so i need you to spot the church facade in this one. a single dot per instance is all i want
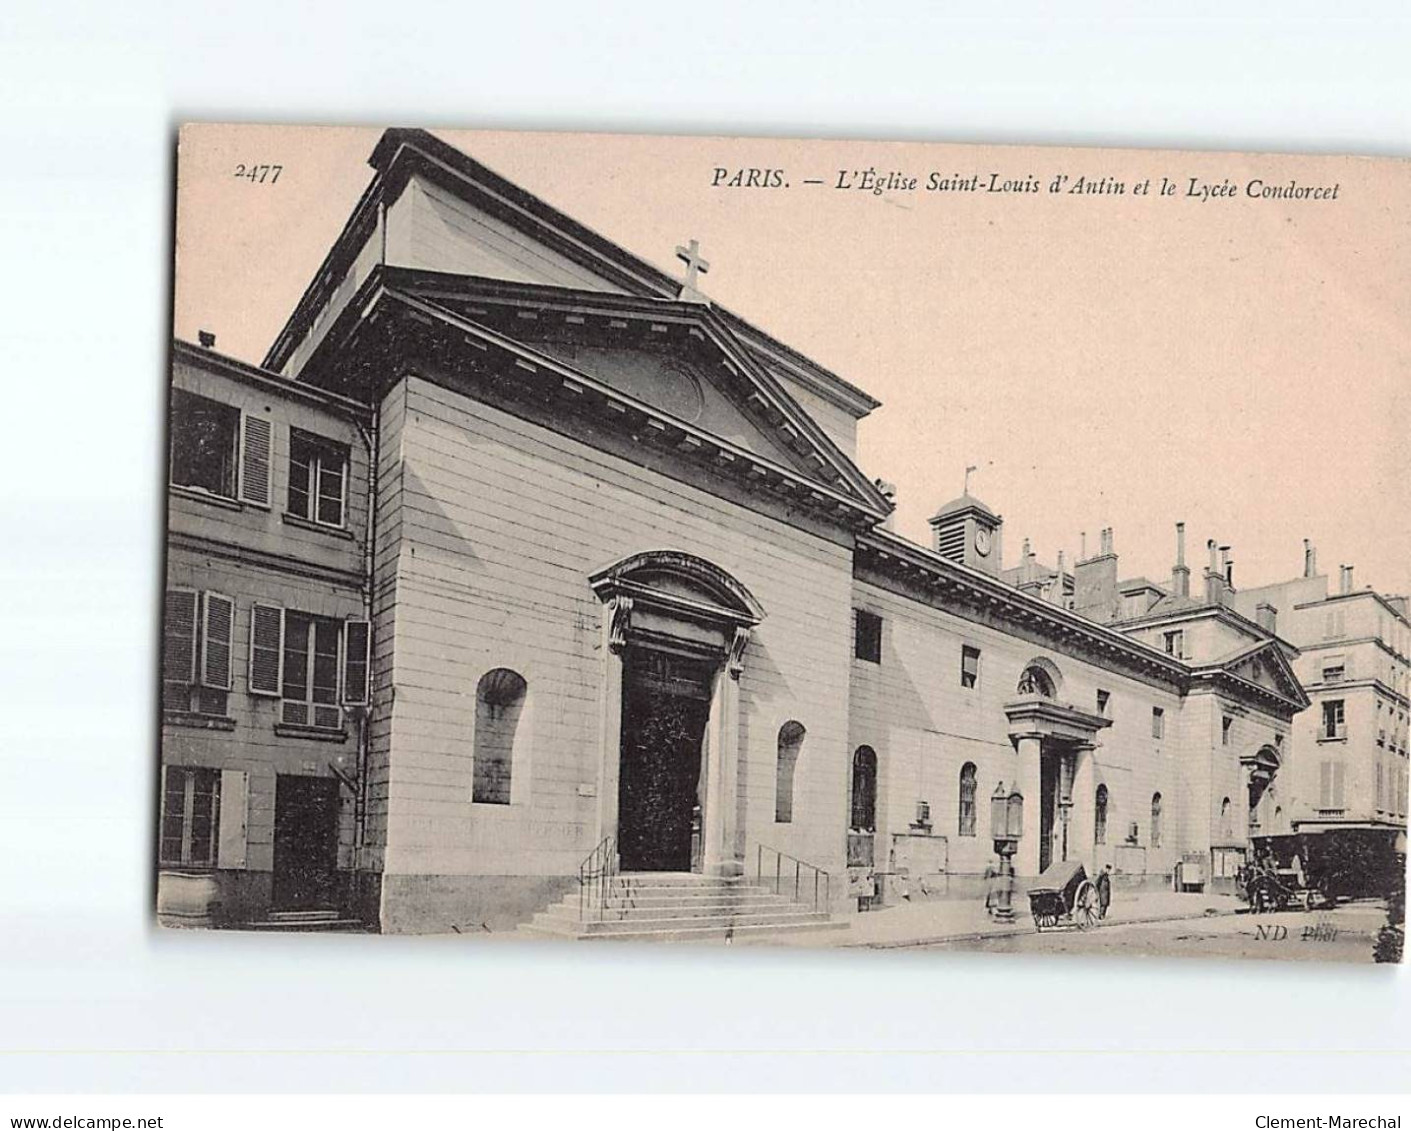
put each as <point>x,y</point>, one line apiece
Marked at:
<point>516,553</point>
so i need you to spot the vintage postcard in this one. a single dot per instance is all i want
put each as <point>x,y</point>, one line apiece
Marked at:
<point>809,543</point>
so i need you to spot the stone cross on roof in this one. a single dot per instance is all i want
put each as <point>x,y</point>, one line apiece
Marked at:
<point>695,267</point>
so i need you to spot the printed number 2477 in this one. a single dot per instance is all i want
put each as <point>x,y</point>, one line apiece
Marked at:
<point>259,174</point>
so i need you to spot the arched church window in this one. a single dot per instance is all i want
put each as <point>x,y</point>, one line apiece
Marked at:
<point>1036,681</point>
<point>499,702</point>
<point>966,824</point>
<point>791,736</point>
<point>1156,820</point>
<point>1226,826</point>
<point>1100,816</point>
<point>864,789</point>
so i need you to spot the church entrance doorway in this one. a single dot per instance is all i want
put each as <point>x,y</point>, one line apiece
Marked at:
<point>665,708</point>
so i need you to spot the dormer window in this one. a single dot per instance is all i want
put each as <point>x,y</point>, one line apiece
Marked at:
<point>1175,644</point>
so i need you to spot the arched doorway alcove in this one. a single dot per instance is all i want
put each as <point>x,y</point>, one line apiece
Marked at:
<point>675,631</point>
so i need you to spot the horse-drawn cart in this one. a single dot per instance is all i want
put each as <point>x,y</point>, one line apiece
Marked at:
<point>1282,875</point>
<point>1063,896</point>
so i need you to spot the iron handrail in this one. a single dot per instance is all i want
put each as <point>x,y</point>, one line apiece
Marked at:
<point>804,874</point>
<point>595,876</point>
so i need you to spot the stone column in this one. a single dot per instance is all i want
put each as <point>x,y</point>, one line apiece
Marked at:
<point>616,614</point>
<point>1080,819</point>
<point>720,805</point>
<point>1026,860</point>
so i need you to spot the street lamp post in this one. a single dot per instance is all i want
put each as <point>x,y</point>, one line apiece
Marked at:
<point>1006,828</point>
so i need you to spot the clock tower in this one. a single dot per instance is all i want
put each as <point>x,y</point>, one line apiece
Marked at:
<point>968,532</point>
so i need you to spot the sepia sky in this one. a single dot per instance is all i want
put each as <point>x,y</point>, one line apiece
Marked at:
<point>1129,361</point>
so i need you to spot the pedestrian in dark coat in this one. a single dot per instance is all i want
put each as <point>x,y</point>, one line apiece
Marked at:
<point>1104,890</point>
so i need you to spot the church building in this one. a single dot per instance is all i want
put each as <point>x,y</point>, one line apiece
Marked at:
<point>518,564</point>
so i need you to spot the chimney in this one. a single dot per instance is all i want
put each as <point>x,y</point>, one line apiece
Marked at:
<point>206,338</point>
<point>1267,617</point>
<point>1214,578</point>
<point>1083,546</point>
<point>1029,579</point>
<point>1095,592</point>
<point>1058,581</point>
<point>1181,574</point>
<point>1229,569</point>
<point>1345,583</point>
<point>1310,559</point>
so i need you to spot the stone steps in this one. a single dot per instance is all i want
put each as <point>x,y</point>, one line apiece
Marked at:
<point>317,920</point>
<point>677,907</point>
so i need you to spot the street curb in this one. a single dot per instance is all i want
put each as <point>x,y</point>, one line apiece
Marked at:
<point>1019,932</point>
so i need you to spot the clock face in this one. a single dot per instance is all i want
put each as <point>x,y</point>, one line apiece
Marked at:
<point>982,541</point>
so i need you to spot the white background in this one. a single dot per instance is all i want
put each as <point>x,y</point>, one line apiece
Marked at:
<point>90,997</point>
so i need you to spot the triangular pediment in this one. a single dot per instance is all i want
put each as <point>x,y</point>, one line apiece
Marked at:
<point>675,359</point>
<point>1265,665</point>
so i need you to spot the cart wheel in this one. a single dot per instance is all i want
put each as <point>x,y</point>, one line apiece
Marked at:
<point>1085,906</point>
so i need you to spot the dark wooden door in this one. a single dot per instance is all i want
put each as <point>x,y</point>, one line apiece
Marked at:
<point>1048,807</point>
<point>663,723</point>
<point>305,843</point>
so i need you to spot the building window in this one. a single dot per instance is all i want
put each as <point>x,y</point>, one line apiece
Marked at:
<point>969,666</point>
<point>1334,672</point>
<point>310,671</point>
<point>1035,681</point>
<point>499,703</point>
<point>1104,700</point>
<point>204,436</point>
<point>318,478</point>
<point>196,651</point>
<point>791,736</point>
<point>1331,783</point>
<point>864,790</point>
<point>966,823</point>
<point>190,816</point>
<point>1227,827</point>
<point>1156,820</point>
<point>1175,643</point>
<point>1334,720</point>
<point>1227,725</point>
<point>1100,816</point>
<point>1158,723</point>
<point>867,636</point>
<point>299,658</point>
<point>1380,797</point>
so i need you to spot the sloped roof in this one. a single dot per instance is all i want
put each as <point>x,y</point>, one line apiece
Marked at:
<point>961,504</point>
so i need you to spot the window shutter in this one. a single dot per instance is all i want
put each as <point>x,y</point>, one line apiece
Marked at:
<point>356,637</point>
<point>218,620</point>
<point>1338,772</point>
<point>266,649</point>
<point>179,637</point>
<point>1325,786</point>
<point>255,436</point>
<point>234,794</point>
